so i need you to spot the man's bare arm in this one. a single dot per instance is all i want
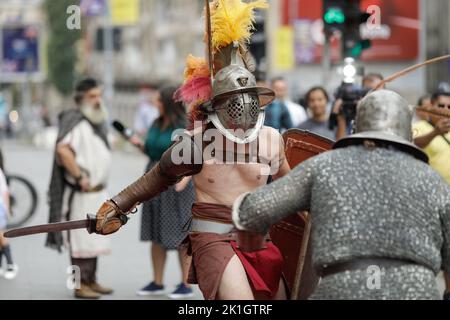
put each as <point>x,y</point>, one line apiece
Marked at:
<point>424,141</point>
<point>66,157</point>
<point>164,174</point>
<point>441,127</point>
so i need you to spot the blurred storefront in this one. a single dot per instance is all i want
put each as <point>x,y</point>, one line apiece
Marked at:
<point>22,65</point>
<point>410,32</point>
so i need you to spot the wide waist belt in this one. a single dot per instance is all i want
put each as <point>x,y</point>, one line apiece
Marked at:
<point>362,264</point>
<point>200,225</point>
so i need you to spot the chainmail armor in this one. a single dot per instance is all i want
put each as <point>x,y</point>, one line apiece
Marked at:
<point>364,203</point>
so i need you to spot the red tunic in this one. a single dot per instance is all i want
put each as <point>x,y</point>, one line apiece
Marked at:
<point>211,253</point>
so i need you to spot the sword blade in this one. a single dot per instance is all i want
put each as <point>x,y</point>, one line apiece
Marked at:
<point>50,227</point>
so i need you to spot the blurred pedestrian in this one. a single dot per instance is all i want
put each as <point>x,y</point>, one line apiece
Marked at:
<point>80,172</point>
<point>5,249</point>
<point>423,102</point>
<point>146,113</point>
<point>277,113</point>
<point>317,100</point>
<point>296,111</point>
<point>164,217</point>
<point>371,80</point>
<point>433,135</point>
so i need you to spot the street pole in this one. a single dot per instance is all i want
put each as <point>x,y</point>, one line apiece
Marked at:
<point>108,53</point>
<point>326,61</point>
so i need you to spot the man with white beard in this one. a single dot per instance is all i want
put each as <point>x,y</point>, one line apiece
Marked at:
<point>80,172</point>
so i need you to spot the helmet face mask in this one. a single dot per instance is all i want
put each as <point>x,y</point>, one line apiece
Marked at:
<point>240,111</point>
<point>237,104</point>
<point>238,117</point>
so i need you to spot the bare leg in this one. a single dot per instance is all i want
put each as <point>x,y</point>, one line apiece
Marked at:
<point>3,241</point>
<point>185,261</point>
<point>234,284</point>
<point>281,294</point>
<point>159,256</point>
<point>447,281</point>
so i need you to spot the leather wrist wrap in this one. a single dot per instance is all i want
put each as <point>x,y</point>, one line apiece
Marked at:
<point>164,174</point>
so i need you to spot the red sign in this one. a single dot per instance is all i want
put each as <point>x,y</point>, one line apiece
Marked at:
<point>396,38</point>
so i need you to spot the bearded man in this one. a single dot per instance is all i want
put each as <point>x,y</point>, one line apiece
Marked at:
<point>80,172</point>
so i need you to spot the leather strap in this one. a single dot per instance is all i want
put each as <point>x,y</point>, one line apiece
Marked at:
<point>362,264</point>
<point>98,188</point>
<point>163,175</point>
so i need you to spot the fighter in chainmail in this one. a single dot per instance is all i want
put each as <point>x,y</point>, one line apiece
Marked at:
<point>377,230</point>
<point>228,151</point>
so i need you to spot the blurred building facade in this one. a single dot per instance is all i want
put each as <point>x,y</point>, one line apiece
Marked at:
<point>152,50</point>
<point>148,52</point>
<point>431,23</point>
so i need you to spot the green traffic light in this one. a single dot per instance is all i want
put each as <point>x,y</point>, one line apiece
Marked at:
<point>356,50</point>
<point>334,15</point>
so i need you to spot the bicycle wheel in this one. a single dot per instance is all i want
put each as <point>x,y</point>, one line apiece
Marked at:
<point>23,200</point>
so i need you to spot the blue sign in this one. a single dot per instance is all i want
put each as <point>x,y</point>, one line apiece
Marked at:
<point>20,50</point>
<point>93,8</point>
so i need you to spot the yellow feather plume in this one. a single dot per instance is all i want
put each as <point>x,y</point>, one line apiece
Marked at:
<point>195,67</point>
<point>232,20</point>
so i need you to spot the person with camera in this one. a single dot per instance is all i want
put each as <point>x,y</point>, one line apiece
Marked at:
<point>347,97</point>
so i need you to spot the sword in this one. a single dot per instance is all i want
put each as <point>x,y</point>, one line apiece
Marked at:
<point>88,223</point>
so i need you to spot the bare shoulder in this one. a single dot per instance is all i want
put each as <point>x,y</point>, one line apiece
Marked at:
<point>270,133</point>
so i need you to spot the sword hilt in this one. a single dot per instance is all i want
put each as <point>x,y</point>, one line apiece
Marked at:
<point>92,222</point>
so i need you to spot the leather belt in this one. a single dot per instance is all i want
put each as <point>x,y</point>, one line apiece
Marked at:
<point>200,225</point>
<point>362,264</point>
<point>98,188</point>
<point>77,188</point>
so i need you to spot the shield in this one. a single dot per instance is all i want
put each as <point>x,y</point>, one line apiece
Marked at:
<point>291,235</point>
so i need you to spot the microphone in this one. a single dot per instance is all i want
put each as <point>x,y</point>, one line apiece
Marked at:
<point>127,133</point>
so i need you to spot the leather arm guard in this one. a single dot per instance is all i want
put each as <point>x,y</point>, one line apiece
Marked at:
<point>173,166</point>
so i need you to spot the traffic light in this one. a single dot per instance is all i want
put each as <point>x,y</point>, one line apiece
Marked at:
<point>347,17</point>
<point>334,15</point>
<point>258,41</point>
<point>353,45</point>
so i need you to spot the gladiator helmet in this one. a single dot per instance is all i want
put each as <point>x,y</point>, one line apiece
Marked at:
<point>236,109</point>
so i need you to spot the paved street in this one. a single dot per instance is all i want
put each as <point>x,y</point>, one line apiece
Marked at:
<point>42,272</point>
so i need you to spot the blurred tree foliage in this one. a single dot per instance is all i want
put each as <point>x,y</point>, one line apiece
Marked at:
<point>61,50</point>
